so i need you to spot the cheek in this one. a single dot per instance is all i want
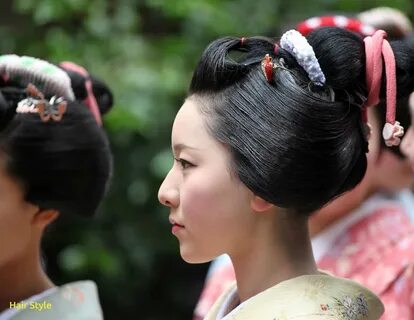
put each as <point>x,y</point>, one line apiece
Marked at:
<point>201,196</point>
<point>209,198</point>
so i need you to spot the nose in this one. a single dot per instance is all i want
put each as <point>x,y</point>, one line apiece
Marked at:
<point>168,194</point>
<point>407,145</point>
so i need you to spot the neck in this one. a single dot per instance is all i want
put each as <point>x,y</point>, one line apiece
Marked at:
<point>23,278</point>
<point>279,252</point>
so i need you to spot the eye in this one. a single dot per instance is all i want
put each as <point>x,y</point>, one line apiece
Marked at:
<point>184,163</point>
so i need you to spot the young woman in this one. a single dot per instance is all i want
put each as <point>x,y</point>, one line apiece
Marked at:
<point>341,237</point>
<point>54,160</point>
<point>259,147</point>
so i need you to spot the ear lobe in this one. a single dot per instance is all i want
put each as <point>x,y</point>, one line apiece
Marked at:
<point>259,204</point>
<point>44,217</point>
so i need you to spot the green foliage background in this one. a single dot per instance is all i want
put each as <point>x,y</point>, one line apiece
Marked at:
<point>145,50</point>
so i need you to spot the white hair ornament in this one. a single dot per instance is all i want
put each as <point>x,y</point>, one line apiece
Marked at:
<point>297,45</point>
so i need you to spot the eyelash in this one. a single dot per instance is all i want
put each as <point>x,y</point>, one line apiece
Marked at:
<point>184,163</point>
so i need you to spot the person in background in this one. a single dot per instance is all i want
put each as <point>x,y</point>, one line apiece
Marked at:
<point>55,160</point>
<point>343,237</point>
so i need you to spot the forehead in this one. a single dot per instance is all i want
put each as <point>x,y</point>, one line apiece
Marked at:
<point>189,125</point>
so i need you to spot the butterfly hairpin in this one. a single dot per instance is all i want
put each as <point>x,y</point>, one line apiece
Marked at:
<point>36,103</point>
<point>53,109</point>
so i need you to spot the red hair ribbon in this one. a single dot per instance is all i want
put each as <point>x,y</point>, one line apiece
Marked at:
<point>343,22</point>
<point>377,50</point>
<point>90,100</point>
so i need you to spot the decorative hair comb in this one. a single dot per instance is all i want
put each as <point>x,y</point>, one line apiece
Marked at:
<point>36,103</point>
<point>297,45</point>
<point>50,79</point>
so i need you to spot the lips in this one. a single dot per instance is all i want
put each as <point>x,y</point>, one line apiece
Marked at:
<point>176,227</point>
<point>175,223</point>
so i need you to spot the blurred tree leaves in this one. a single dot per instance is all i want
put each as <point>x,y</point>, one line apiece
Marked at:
<point>145,50</point>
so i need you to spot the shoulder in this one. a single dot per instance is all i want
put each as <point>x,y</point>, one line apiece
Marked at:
<point>312,296</point>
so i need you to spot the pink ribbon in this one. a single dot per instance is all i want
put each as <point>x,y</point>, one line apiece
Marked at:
<point>377,50</point>
<point>90,100</point>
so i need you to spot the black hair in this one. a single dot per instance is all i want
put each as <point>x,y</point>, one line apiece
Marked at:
<point>295,144</point>
<point>64,165</point>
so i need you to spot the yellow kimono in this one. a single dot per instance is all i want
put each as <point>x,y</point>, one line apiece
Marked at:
<point>73,301</point>
<point>309,297</point>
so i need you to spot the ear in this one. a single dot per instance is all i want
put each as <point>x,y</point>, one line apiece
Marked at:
<point>43,217</point>
<point>259,204</point>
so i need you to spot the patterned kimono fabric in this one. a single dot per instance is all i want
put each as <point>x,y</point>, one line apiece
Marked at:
<point>310,297</point>
<point>73,301</point>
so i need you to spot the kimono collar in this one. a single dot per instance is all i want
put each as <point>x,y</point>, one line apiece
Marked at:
<point>311,297</point>
<point>79,300</point>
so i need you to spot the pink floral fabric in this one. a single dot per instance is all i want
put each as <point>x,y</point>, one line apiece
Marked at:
<point>377,251</point>
<point>217,283</point>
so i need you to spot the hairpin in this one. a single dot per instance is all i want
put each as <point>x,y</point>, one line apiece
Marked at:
<point>267,67</point>
<point>297,45</point>
<point>36,103</point>
<point>53,109</point>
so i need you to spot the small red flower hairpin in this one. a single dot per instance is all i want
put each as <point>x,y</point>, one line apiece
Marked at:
<point>267,67</point>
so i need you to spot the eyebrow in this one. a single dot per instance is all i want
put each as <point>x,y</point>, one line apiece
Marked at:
<point>180,146</point>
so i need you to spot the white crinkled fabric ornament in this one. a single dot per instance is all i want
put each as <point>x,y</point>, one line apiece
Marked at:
<point>297,45</point>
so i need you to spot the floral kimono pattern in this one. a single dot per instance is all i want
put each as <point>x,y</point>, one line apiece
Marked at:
<point>378,252</point>
<point>310,297</point>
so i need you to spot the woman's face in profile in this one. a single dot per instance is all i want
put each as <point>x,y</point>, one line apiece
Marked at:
<point>209,207</point>
<point>15,219</point>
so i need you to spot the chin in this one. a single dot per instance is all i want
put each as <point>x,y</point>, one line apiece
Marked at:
<point>194,258</point>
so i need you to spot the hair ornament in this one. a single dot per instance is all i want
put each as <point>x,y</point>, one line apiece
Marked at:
<point>267,67</point>
<point>24,70</point>
<point>392,134</point>
<point>36,103</point>
<point>90,100</point>
<point>297,45</point>
<point>378,52</point>
<point>339,21</point>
